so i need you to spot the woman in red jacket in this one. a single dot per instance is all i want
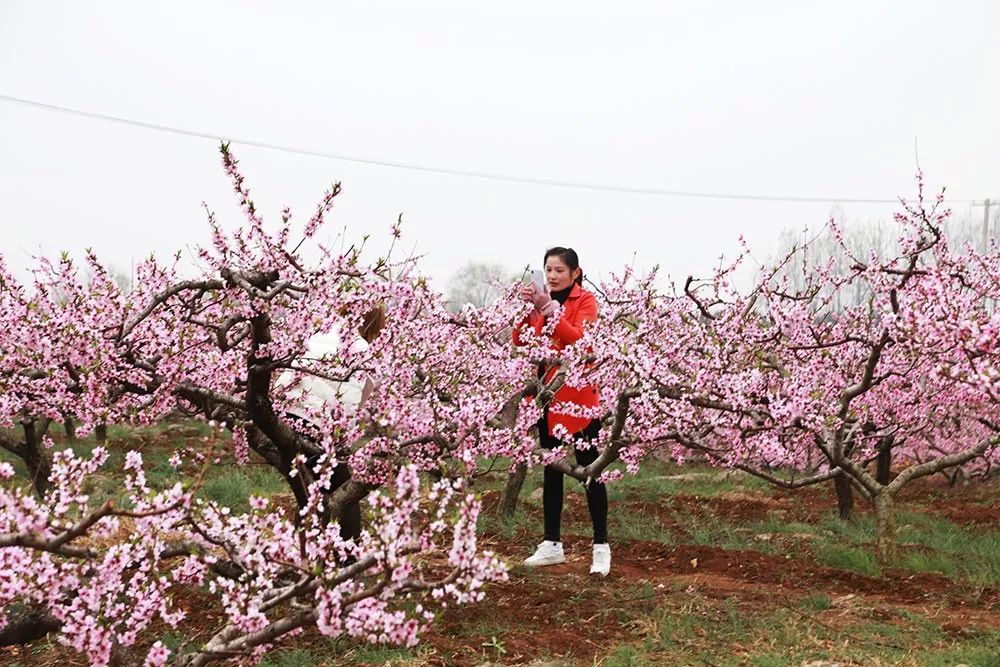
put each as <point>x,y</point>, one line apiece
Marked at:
<point>565,279</point>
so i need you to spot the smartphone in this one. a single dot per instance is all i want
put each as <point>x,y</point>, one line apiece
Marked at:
<point>538,277</point>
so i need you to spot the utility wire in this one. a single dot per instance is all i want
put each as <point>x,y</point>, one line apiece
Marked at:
<point>552,182</point>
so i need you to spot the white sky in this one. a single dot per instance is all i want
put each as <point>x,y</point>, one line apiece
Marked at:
<point>770,98</point>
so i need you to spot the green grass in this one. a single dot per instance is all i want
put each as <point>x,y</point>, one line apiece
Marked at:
<point>226,484</point>
<point>927,544</point>
<point>293,658</point>
<point>725,634</point>
<point>983,652</point>
<point>776,524</point>
<point>159,473</point>
<point>122,439</point>
<point>524,519</point>
<point>816,602</point>
<point>625,656</point>
<point>129,432</point>
<point>341,651</point>
<point>702,621</point>
<point>380,655</point>
<point>234,485</point>
<point>927,630</point>
<point>972,553</point>
<point>860,529</point>
<point>709,531</point>
<point>920,561</point>
<point>640,526</point>
<point>652,482</point>
<point>20,472</point>
<point>847,557</point>
<point>700,631</point>
<point>173,641</point>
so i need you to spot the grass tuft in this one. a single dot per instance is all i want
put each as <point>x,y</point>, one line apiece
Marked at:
<point>816,602</point>
<point>234,486</point>
<point>846,557</point>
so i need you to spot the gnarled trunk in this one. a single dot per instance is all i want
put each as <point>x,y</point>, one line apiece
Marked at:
<point>515,481</point>
<point>884,460</point>
<point>36,460</point>
<point>845,496</point>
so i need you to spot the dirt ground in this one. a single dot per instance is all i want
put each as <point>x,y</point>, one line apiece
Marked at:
<point>562,615</point>
<point>562,612</point>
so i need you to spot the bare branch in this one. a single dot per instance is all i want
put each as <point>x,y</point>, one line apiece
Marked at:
<point>937,465</point>
<point>792,483</point>
<point>163,297</point>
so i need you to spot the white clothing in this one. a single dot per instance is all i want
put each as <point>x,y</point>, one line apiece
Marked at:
<point>315,394</point>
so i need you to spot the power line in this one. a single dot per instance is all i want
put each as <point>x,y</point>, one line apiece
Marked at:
<point>552,182</point>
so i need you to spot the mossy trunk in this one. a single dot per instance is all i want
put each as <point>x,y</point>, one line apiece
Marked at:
<point>886,548</point>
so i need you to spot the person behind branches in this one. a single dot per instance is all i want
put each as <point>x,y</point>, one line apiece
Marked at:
<point>564,280</point>
<point>313,393</point>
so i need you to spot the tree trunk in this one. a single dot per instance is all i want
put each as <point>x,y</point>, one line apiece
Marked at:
<point>959,475</point>
<point>845,496</point>
<point>101,433</point>
<point>886,549</point>
<point>27,625</point>
<point>39,468</point>
<point>515,480</point>
<point>35,459</point>
<point>69,425</point>
<point>884,460</point>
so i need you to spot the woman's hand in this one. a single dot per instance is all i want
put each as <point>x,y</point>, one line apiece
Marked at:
<point>549,309</point>
<point>531,293</point>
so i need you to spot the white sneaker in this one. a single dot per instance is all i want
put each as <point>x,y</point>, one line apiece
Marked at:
<point>602,560</point>
<point>548,553</point>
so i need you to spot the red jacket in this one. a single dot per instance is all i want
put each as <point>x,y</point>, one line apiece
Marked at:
<point>580,308</point>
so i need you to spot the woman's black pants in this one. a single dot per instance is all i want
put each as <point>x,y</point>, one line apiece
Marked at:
<point>552,486</point>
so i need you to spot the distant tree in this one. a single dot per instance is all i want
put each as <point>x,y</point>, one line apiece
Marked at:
<point>121,278</point>
<point>839,243</point>
<point>809,248</point>
<point>477,283</point>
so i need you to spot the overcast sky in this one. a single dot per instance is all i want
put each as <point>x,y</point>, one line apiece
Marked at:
<point>756,98</point>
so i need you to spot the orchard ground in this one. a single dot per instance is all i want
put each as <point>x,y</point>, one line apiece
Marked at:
<point>708,569</point>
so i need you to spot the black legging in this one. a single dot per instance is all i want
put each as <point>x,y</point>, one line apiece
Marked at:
<point>552,485</point>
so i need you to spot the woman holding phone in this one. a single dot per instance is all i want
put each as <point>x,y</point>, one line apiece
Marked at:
<point>564,287</point>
